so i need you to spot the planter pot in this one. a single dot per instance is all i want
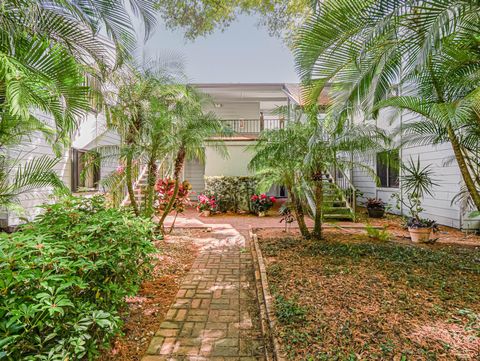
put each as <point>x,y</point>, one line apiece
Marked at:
<point>262,214</point>
<point>420,234</point>
<point>471,223</point>
<point>376,212</point>
<point>205,213</point>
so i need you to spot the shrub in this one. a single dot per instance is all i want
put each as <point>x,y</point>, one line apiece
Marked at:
<point>377,234</point>
<point>375,203</point>
<point>289,311</point>
<point>232,193</point>
<point>165,187</point>
<point>415,223</point>
<point>65,276</point>
<point>261,202</point>
<point>206,203</point>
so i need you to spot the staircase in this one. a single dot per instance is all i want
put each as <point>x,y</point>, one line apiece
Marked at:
<point>338,198</point>
<point>138,189</point>
<point>140,185</point>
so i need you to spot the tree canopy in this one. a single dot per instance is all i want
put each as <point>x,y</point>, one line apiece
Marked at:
<point>200,18</point>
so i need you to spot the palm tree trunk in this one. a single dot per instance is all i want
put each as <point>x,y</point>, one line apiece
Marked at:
<point>457,150</point>
<point>299,214</point>
<point>151,178</point>
<point>462,164</point>
<point>179,160</point>
<point>129,179</point>
<point>317,228</point>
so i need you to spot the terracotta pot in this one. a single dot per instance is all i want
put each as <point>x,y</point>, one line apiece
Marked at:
<point>262,214</point>
<point>420,234</point>
<point>376,212</point>
<point>205,214</point>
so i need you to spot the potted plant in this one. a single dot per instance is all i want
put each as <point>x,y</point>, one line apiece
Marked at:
<point>416,183</point>
<point>206,205</point>
<point>420,229</point>
<point>287,216</point>
<point>261,203</point>
<point>375,207</point>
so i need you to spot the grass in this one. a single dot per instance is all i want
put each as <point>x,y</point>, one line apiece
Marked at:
<point>349,299</point>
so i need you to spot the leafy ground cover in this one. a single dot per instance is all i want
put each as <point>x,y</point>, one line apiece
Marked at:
<point>64,279</point>
<point>146,310</point>
<point>350,297</point>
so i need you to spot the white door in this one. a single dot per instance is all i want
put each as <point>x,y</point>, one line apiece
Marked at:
<point>194,173</point>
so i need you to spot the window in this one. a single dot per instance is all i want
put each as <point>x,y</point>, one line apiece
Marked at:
<point>85,170</point>
<point>387,168</point>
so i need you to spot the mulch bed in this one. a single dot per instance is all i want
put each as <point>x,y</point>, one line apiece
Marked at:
<point>393,224</point>
<point>349,297</point>
<point>147,310</point>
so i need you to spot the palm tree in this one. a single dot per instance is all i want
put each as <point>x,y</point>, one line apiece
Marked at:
<point>278,159</point>
<point>143,115</point>
<point>51,61</point>
<point>367,50</point>
<point>54,46</point>
<point>303,154</point>
<point>17,178</point>
<point>333,146</point>
<point>192,130</point>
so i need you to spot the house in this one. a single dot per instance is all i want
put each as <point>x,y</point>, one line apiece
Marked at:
<point>91,134</point>
<point>247,109</point>
<point>446,174</point>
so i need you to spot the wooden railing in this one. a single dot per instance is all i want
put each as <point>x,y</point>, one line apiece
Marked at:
<point>252,126</point>
<point>344,183</point>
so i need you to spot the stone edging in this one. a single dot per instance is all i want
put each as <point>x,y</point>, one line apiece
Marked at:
<point>267,312</point>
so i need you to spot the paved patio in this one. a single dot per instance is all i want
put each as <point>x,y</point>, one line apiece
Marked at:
<point>214,316</point>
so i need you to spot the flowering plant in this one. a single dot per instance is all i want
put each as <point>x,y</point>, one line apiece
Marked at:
<point>165,187</point>
<point>261,202</point>
<point>206,203</point>
<point>375,203</point>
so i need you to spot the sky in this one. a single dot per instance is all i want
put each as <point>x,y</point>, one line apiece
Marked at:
<point>243,53</point>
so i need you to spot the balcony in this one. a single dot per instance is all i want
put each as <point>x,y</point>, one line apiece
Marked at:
<point>252,127</point>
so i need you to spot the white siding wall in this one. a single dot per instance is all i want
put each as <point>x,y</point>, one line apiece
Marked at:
<point>37,146</point>
<point>108,165</point>
<point>194,172</point>
<point>439,207</point>
<point>236,110</point>
<point>235,164</point>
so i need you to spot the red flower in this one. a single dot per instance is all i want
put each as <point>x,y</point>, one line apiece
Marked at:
<point>263,196</point>
<point>254,197</point>
<point>273,199</point>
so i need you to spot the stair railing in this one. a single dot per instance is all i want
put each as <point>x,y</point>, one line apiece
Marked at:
<point>349,192</point>
<point>164,169</point>
<point>138,171</point>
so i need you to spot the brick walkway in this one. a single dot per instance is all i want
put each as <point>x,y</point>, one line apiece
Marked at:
<point>214,316</point>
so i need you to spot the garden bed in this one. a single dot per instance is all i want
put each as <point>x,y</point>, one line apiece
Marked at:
<point>349,297</point>
<point>146,311</point>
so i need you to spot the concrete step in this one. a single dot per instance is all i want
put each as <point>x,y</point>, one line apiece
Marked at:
<point>338,216</point>
<point>337,210</point>
<point>334,203</point>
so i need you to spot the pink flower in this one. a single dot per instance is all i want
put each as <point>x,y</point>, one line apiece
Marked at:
<point>273,199</point>
<point>120,169</point>
<point>263,196</point>
<point>254,197</point>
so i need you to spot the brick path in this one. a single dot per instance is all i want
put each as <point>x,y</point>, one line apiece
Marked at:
<point>214,316</point>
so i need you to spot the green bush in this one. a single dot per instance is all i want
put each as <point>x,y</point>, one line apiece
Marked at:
<point>64,279</point>
<point>232,193</point>
<point>377,234</point>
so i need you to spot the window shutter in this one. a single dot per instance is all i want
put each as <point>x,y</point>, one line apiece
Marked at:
<point>74,172</point>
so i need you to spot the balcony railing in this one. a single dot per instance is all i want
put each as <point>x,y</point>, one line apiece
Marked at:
<point>252,126</point>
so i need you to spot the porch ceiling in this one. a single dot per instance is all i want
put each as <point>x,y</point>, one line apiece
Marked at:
<point>244,92</point>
